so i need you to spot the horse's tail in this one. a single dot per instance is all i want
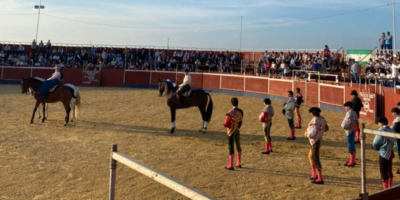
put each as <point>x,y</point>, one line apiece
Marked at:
<point>77,102</point>
<point>209,109</point>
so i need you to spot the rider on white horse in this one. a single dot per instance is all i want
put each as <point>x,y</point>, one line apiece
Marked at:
<point>184,87</point>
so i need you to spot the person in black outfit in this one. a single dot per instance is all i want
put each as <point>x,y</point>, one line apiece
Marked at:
<point>396,128</point>
<point>299,101</point>
<point>357,105</point>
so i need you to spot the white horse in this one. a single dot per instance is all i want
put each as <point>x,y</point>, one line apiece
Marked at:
<point>71,104</point>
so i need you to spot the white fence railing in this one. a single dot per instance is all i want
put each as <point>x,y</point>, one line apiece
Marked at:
<point>364,193</point>
<point>164,179</point>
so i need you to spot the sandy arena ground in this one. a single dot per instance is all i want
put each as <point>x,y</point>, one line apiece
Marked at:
<point>49,161</point>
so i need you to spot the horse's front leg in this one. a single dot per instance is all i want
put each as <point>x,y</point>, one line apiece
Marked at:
<point>38,113</point>
<point>173,112</point>
<point>34,110</point>
<point>67,110</point>
<point>44,111</point>
<point>47,110</point>
<point>72,104</point>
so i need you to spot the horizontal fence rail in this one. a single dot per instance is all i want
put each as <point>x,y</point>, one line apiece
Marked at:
<point>164,179</point>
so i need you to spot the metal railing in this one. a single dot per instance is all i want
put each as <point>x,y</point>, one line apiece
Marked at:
<point>319,74</point>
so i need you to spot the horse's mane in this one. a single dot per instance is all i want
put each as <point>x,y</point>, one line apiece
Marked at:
<point>170,87</point>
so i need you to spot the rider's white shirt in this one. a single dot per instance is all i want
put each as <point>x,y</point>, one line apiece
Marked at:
<point>55,76</point>
<point>186,80</point>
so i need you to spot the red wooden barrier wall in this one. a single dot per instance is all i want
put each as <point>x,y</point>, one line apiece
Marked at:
<point>256,85</point>
<point>73,76</point>
<point>42,73</point>
<point>311,94</point>
<point>279,88</point>
<point>211,81</point>
<point>112,78</point>
<point>159,75</point>
<point>233,82</point>
<point>16,73</point>
<point>333,95</point>
<point>140,78</point>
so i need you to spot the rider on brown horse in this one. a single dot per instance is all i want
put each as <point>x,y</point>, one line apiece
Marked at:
<point>184,87</point>
<point>54,80</point>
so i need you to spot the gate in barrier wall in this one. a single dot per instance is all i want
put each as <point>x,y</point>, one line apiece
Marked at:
<point>331,95</point>
<point>164,179</point>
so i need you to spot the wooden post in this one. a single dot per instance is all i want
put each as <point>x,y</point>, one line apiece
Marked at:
<point>113,173</point>
<point>363,193</point>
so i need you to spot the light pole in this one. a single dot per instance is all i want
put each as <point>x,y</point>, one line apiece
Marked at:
<point>394,27</point>
<point>40,6</point>
<point>241,23</point>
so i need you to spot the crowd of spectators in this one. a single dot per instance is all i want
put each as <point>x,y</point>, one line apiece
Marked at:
<point>275,64</point>
<point>129,58</point>
<point>384,66</point>
<point>281,64</point>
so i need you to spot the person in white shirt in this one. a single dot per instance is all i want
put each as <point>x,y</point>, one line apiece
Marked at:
<point>354,70</point>
<point>184,87</point>
<point>395,71</point>
<point>55,79</point>
<point>57,74</point>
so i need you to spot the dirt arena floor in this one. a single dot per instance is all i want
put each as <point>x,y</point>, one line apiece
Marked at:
<point>49,161</point>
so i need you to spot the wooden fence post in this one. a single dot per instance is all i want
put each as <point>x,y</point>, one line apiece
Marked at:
<point>364,193</point>
<point>113,173</point>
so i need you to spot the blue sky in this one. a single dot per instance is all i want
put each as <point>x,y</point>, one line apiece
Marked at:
<point>196,23</point>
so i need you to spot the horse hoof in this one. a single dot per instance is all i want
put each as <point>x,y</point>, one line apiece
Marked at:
<point>65,124</point>
<point>172,131</point>
<point>31,122</point>
<point>39,117</point>
<point>72,120</point>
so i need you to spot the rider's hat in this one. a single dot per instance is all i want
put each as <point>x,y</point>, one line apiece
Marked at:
<point>187,70</point>
<point>58,67</point>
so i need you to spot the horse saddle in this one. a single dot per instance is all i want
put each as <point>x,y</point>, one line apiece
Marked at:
<point>53,88</point>
<point>187,93</point>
